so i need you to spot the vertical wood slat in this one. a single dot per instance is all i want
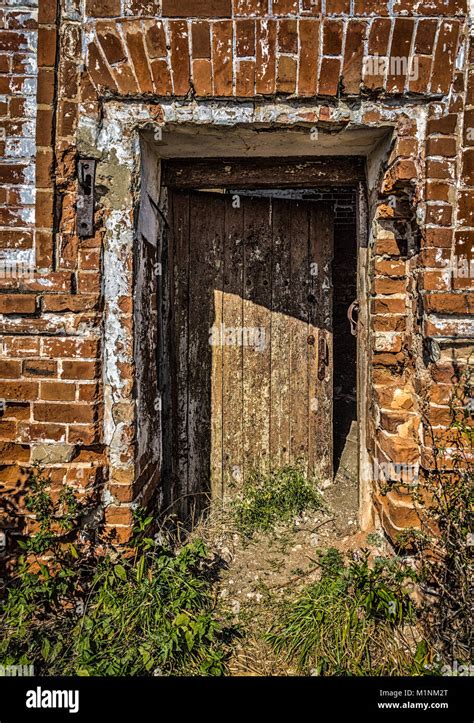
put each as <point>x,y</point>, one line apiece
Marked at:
<point>321,325</point>
<point>298,322</point>
<point>257,315</point>
<point>232,366</point>
<point>179,346</point>
<point>205,255</point>
<point>281,336</point>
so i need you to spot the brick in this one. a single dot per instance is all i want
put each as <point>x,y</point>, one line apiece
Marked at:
<point>70,347</point>
<point>388,286</point>
<point>21,347</point>
<point>124,79</point>
<point>332,36</point>
<point>353,55</point>
<point>103,9</point>
<point>18,391</point>
<point>449,303</point>
<point>425,36</point>
<point>180,57</point>
<point>287,36</point>
<point>14,453</point>
<point>439,215</point>
<point>388,306</point>
<point>8,430</point>
<point>390,268</point>
<point>441,169</point>
<point>442,125</point>
<point>285,7</point>
<point>286,76</point>
<point>202,77</point>
<point>379,36</point>
<point>47,47</point>
<point>98,70</point>
<point>88,282</point>
<point>250,7</point>
<point>79,370</point>
<point>309,51</point>
<point>45,93</point>
<point>400,48</point>
<point>136,52</point>
<point>438,191</point>
<point>197,8</point>
<point>145,7</point>
<point>122,516</point>
<point>468,136</point>
<point>468,167</point>
<point>445,55</point>
<point>46,13</point>
<point>245,80</point>
<point>266,58</point>
<point>57,391</point>
<point>421,81</point>
<point>83,434</point>
<point>39,368</point>
<point>17,304</point>
<point>330,76</point>
<point>89,392</point>
<point>389,323</point>
<point>161,77</point>
<point>466,208</point>
<point>69,302</point>
<point>9,369</point>
<point>244,38</point>
<point>338,7</point>
<point>55,281</point>
<point>155,38</point>
<point>201,39</point>
<point>66,413</point>
<point>111,43</point>
<point>222,58</point>
<point>435,281</point>
<point>441,146</point>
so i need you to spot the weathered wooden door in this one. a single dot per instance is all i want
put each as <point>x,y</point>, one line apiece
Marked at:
<point>251,337</point>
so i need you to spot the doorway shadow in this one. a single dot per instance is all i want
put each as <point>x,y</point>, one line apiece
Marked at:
<point>237,292</point>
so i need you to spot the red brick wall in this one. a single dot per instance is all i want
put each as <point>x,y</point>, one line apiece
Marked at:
<point>52,367</point>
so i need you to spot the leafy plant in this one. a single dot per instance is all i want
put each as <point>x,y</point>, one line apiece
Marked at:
<point>147,611</point>
<point>445,502</point>
<point>353,621</point>
<point>274,496</point>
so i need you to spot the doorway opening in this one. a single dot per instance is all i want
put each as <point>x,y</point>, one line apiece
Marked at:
<point>257,361</point>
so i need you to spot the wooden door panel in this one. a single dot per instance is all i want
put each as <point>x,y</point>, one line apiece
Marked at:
<point>252,320</point>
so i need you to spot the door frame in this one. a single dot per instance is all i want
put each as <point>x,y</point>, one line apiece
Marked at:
<point>301,173</point>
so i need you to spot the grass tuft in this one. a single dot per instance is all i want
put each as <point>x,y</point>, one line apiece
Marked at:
<point>269,498</point>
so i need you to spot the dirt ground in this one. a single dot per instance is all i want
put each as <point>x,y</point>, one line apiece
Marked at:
<point>258,575</point>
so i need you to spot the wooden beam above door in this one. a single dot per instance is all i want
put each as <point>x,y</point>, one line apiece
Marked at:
<point>263,172</point>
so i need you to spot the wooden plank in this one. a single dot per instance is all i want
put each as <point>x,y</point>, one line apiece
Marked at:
<point>266,173</point>
<point>298,323</point>
<point>257,318</point>
<point>207,228</point>
<point>321,329</point>
<point>232,365</point>
<point>179,345</point>
<point>281,335</point>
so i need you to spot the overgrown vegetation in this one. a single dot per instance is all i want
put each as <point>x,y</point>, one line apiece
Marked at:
<point>272,497</point>
<point>445,544</point>
<point>149,611</point>
<point>356,620</point>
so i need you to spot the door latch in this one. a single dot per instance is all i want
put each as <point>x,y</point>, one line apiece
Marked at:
<point>323,357</point>
<point>85,198</point>
<point>354,308</point>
